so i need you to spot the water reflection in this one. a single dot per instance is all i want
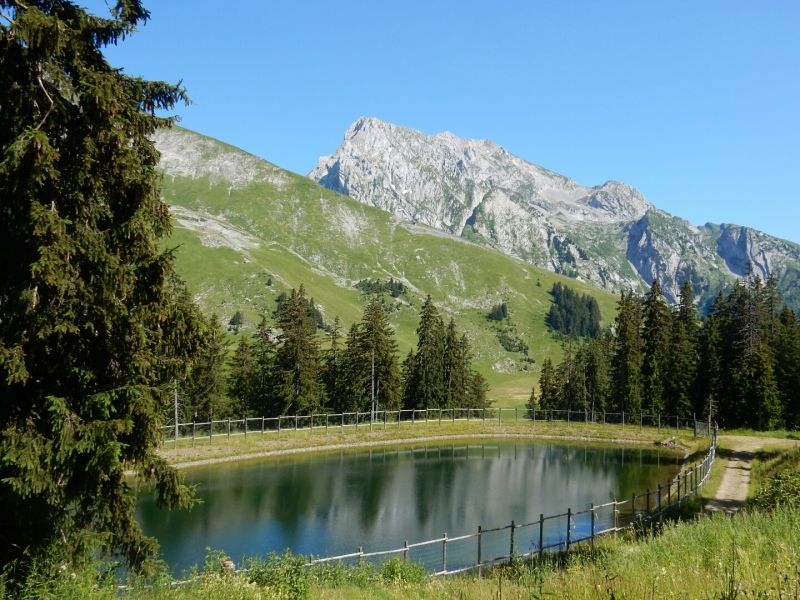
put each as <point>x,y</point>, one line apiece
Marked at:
<point>334,503</point>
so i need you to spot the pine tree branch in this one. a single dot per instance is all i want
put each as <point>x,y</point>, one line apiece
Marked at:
<point>50,109</point>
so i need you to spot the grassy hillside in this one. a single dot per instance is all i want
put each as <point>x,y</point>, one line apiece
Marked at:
<point>240,222</point>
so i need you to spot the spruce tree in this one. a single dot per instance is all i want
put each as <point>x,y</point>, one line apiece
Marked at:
<point>377,359</point>
<point>548,387</point>
<point>205,389</point>
<point>656,350</point>
<point>332,364</point>
<point>627,356</point>
<point>241,377</point>
<point>261,397</point>
<point>297,385</point>
<point>429,363</point>
<point>683,359</point>
<point>91,334</point>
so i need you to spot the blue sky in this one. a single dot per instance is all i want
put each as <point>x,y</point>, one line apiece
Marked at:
<point>697,104</point>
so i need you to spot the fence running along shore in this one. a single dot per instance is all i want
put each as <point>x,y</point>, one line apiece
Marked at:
<point>448,555</point>
<point>273,426</point>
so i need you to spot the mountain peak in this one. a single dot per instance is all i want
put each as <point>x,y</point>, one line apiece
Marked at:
<point>608,234</point>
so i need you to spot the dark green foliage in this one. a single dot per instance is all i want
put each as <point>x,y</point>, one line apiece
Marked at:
<point>498,312</point>
<point>424,388</point>
<point>741,367</point>
<point>573,313</point>
<point>296,385</point>
<point>682,361</point>
<point>656,337</point>
<point>241,376</point>
<point>375,286</point>
<point>204,391</point>
<point>332,370</point>
<point>626,363</point>
<point>440,374</point>
<point>92,333</point>
<point>236,321</point>
<point>510,340</point>
<point>311,309</point>
<point>548,388</point>
<point>369,365</point>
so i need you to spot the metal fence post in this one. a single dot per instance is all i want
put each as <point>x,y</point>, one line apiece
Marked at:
<point>245,427</point>
<point>210,430</point>
<point>229,429</point>
<point>342,426</point>
<point>262,425</point>
<point>615,516</point>
<point>194,426</point>
<point>592,530</point>
<point>405,551</point>
<point>516,415</point>
<point>295,422</point>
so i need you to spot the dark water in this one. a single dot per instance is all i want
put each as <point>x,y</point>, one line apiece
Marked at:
<point>334,503</point>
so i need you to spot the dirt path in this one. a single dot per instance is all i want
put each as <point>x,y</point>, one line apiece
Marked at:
<point>735,484</point>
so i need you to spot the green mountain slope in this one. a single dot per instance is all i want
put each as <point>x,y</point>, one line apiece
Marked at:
<point>241,222</point>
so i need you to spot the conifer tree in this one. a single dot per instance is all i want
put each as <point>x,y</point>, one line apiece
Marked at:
<point>683,359</point>
<point>375,360</point>
<point>548,387</point>
<point>457,368</point>
<point>427,379</point>
<point>91,334</point>
<point>241,377</point>
<point>627,357</point>
<point>205,389</point>
<point>332,364</point>
<point>787,372</point>
<point>656,350</point>
<point>297,385</point>
<point>261,399</point>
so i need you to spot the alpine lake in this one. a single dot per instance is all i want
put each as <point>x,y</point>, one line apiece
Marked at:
<point>377,499</point>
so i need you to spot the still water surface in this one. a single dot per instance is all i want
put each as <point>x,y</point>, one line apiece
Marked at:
<point>333,503</point>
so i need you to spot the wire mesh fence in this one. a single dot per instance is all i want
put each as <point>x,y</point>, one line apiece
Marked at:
<point>195,432</point>
<point>485,547</point>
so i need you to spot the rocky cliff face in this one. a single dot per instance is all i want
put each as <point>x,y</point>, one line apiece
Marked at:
<point>609,234</point>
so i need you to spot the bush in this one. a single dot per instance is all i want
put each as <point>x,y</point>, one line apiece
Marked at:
<point>285,575</point>
<point>397,570</point>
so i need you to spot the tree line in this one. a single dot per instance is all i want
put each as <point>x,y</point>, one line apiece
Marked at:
<point>740,365</point>
<point>572,313</point>
<point>284,369</point>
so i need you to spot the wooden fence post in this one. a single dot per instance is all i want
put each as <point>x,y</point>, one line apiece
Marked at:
<point>511,549</point>
<point>279,425</point>
<point>541,535</point>
<point>480,543</point>
<point>405,551</point>
<point>262,425</point>
<point>569,526</point>
<point>210,430</point>
<point>194,425</point>
<point>592,530</point>
<point>245,427</point>
<point>615,516</point>
<point>229,429</point>
<point>444,553</point>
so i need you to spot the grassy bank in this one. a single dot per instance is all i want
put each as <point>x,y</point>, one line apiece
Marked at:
<point>749,555</point>
<point>256,444</point>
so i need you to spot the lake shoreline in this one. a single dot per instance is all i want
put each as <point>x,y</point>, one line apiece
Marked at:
<point>321,449</point>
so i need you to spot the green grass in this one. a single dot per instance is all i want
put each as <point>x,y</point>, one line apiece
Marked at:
<point>308,440</point>
<point>752,555</point>
<point>302,233</point>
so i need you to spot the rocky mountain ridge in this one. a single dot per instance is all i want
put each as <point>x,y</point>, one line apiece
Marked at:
<point>608,235</point>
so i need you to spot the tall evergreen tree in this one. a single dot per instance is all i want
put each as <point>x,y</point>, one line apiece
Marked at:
<point>241,376</point>
<point>428,376</point>
<point>683,358</point>
<point>261,399</point>
<point>627,357</point>
<point>656,350</point>
<point>787,371</point>
<point>91,335</point>
<point>332,364</point>
<point>377,353</point>
<point>297,385</point>
<point>548,388</point>
<point>205,389</point>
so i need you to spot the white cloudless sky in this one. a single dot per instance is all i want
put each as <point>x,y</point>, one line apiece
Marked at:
<point>696,104</point>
